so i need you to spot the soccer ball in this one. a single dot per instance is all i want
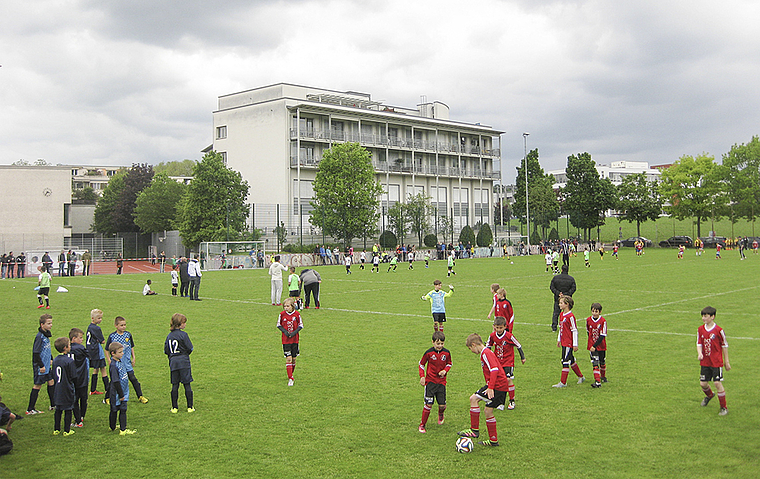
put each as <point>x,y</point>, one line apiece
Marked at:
<point>464,444</point>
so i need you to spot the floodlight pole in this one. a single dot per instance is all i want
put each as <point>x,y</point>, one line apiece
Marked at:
<point>527,214</point>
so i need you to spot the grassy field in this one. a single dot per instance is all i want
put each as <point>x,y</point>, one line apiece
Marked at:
<point>357,401</point>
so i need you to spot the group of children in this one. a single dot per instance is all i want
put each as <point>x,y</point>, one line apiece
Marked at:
<point>66,375</point>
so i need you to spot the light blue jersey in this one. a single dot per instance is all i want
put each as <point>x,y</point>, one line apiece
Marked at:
<point>125,340</point>
<point>436,298</point>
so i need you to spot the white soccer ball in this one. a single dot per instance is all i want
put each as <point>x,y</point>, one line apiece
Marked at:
<point>464,445</point>
<point>511,262</point>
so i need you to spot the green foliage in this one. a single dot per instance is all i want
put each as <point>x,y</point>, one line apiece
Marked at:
<point>85,195</point>
<point>553,235</point>
<point>346,193</point>
<point>587,195</point>
<point>398,220</point>
<point>418,212</point>
<point>215,198</point>
<point>431,240</point>
<point>445,227</point>
<point>282,235</point>
<point>485,235</point>
<point>176,168</point>
<point>693,187</point>
<point>535,237</point>
<point>502,213</point>
<point>103,219</point>
<point>388,239</point>
<point>639,200</point>
<point>467,235</point>
<point>137,179</point>
<point>156,208</point>
<point>742,178</point>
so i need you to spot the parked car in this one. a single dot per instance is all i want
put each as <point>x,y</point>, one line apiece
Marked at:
<point>675,241</point>
<point>712,241</point>
<point>630,242</point>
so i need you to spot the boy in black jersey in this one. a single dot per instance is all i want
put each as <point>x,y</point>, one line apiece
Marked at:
<point>64,375</point>
<point>438,360</point>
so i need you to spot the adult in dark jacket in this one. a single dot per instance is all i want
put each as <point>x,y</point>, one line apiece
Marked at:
<point>310,280</point>
<point>184,278</point>
<point>47,262</point>
<point>562,285</point>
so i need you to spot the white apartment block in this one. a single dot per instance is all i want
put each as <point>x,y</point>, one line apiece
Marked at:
<point>615,171</point>
<point>275,137</point>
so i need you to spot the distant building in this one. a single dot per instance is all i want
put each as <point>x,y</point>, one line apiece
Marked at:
<point>615,172</point>
<point>275,137</point>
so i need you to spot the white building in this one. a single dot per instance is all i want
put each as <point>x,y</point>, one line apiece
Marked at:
<point>616,171</point>
<point>275,137</point>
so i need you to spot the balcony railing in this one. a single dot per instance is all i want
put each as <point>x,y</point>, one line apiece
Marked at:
<point>369,139</point>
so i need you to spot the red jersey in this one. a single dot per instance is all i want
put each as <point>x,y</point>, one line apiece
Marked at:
<point>436,361</point>
<point>568,331</point>
<point>504,309</point>
<point>291,322</point>
<point>492,371</point>
<point>712,341</point>
<point>503,347</point>
<point>597,329</point>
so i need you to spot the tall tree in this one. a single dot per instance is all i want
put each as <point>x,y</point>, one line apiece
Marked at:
<point>639,200</point>
<point>693,187</point>
<point>137,179</point>
<point>536,175</point>
<point>543,204</point>
<point>418,210</point>
<point>398,221</point>
<point>176,168</point>
<point>345,193</point>
<point>103,218</point>
<point>587,196</point>
<point>156,208</point>
<point>213,205</point>
<point>742,178</point>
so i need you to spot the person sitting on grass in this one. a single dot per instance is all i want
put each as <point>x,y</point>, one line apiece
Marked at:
<point>147,291</point>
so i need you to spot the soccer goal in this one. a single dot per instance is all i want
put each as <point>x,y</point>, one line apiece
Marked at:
<point>215,255</point>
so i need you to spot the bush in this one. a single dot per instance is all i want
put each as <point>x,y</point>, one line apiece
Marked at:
<point>388,239</point>
<point>467,235</point>
<point>535,238</point>
<point>485,235</point>
<point>431,240</point>
<point>553,235</point>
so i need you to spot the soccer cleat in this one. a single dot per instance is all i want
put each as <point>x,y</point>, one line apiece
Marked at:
<point>40,306</point>
<point>33,411</point>
<point>500,407</point>
<point>191,409</point>
<point>95,393</point>
<point>421,429</point>
<point>127,432</point>
<point>47,307</point>
<point>581,380</point>
<point>107,401</point>
<point>174,410</point>
<point>511,404</point>
<point>68,433</point>
<point>143,399</point>
<point>55,433</point>
<point>489,442</point>
<point>604,379</point>
<point>77,424</point>
<point>723,411</point>
<point>290,382</point>
<point>51,408</point>
<point>440,421</point>
<point>596,385</point>
<point>706,400</point>
<point>559,385</point>
<point>469,433</point>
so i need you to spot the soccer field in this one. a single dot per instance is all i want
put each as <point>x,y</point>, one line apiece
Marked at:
<point>357,401</point>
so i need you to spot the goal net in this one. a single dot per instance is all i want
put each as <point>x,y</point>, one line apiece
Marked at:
<point>216,255</point>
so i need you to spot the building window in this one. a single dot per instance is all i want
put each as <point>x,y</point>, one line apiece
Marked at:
<point>221,132</point>
<point>224,157</point>
<point>414,190</point>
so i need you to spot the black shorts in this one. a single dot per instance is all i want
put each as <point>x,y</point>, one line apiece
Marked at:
<point>45,291</point>
<point>290,350</point>
<point>435,392</point>
<point>709,373</point>
<point>499,397</point>
<point>598,357</point>
<point>41,378</point>
<point>567,355</point>
<point>294,293</point>
<point>97,363</point>
<point>509,371</point>
<point>439,317</point>
<point>183,376</point>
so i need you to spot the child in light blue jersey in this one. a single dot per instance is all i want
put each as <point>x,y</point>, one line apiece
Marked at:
<point>124,337</point>
<point>437,304</point>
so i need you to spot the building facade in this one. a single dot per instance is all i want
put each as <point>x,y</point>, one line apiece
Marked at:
<point>275,137</point>
<point>616,171</point>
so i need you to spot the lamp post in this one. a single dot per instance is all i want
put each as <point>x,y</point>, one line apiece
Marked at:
<point>527,214</point>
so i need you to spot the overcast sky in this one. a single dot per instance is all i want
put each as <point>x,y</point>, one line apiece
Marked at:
<point>113,82</point>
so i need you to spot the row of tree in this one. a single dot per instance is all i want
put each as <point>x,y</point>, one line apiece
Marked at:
<point>693,187</point>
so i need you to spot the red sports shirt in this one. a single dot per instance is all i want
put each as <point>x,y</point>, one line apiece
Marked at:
<point>568,331</point>
<point>291,322</point>
<point>436,361</point>
<point>712,341</point>
<point>504,309</point>
<point>595,330</point>
<point>492,371</point>
<point>504,348</point>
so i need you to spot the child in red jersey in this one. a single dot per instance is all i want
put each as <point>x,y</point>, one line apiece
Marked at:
<point>494,289</point>
<point>290,323</point>
<point>494,393</point>
<point>567,340</point>
<point>438,361</point>
<point>596,327</point>
<point>680,251</point>
<point>503,308</point>
<point>503,344</point>
<point>712,351</point>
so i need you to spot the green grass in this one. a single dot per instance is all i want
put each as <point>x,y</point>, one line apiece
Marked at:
<point>357,401</point>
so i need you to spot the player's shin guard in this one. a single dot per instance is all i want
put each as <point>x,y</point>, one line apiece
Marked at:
<point>511,392</point>
<point>475,418</point>
<point>175,396</point>
<point>722,399</point>
<point>603,370</point>
<point>51,391</point>
<point>597,374</point>
<point>289,368</point>
<point>57,421</point>
<point>66,420</point>
<point>189,395</point>
<point>491,425</point>
<point>39,298</point>
<point>563,377</point>
<point>122,419</point>
<point>33,399</point>
<point>135,383</point>
<point>94,382</point>
<point>106,383</point>
<point>708,392</point>
<point>441,409</point>
<point>425,414</point>
<point>577,370</point>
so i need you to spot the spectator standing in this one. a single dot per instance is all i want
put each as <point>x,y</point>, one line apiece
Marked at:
<point>561,285</point>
